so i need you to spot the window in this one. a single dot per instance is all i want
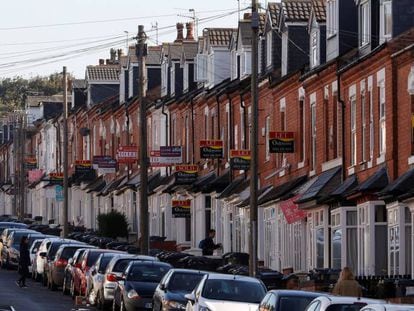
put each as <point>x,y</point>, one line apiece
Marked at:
<point>412,124</point>
<point>326,128</point>
<point>301,131</point>
<point>386,20</point>
<point>363,126</point>
<point>382,132</point>
<point>267,129</point>
<point>187,139</point>
<point>269,49</point>
<point>228,127</point>
<point>242,128</point>
<point>371,124</point>
<point>331,18</point>
<point>364,23</point>
<point>353,132</point>
<point>201,68</point>
<point>206,125</point>
<point>314,48</point>
<point>282,157</point>
<point>313,136</point>
<point>335,124</point>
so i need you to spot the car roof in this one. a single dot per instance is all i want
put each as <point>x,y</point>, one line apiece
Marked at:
<point>344,299</point>
<point>220,276</point>
<point>148,262</point>
<point>188,271</point>
<point>289,292</point>
<point>390,307</point>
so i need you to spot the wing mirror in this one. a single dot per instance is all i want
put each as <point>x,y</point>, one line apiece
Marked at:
<point>163,287</point>
<point>191,297</point>
<point>70,261</point>
<point>42,254</point>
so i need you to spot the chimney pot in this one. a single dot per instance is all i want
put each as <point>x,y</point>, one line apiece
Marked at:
<point>101,62</point>
<point>120,53</point>
<point>190,31</point>
<point>180,33</point>
<point>113,55</point>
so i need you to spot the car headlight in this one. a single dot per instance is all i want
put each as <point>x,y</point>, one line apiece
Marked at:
<point>132,294</point>
<point>204,308</point>
<point>174,305</point>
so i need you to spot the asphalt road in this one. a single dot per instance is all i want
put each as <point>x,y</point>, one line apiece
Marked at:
<point>34,298</point>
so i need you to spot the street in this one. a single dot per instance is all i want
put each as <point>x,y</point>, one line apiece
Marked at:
<point>34,298</point>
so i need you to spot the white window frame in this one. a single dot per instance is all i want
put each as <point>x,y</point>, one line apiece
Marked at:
<point>385,34</point>
<point>382,119</point>
<point>267,131</point>
<point>364,23</point>
<point>364,121</point>
<point>331,18</point>
<point>269,49</point>
<point>201,68</point>
<point>314,47</point>
<point>371,120</point>
<point>172,78</point>
<point>318,220</point>
<point>313,135</point>
<point>187,139</point>
<point>228,128</point>
<point>242,128</point>
<point>353,128</point>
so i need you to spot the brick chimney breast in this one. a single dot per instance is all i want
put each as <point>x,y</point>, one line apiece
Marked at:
<point>113,55</point>
<point>190,31</point>
<point>120,53</point>
<point>180,32</point>
<point>101,62</point>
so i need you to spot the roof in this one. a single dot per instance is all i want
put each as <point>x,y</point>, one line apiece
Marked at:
<point>218,36</point>
<point>190,49</point>
<point>108,73</point>
<point>124,60</point>
<point>132,56</point>
<point>35,101</point>
<point>281,190</point>
<point>174,51</point>
<point>218,184</point>
<point>96,185</point>
<point>274,10</point>
<point>153,55</point>
<point>245,32</point>
<point>247,19</point>
<point>376,182</point>
<point>296,10</point>
<point>260,194</point>
<point>325,183</point>
<point>79,84</point>
<point>236,186</point>
<point>319,10</point>
<point>403,184</point>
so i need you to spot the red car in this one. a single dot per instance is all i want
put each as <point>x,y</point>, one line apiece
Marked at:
<point>80,273</point>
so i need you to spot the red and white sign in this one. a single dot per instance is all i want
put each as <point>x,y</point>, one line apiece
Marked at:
<point>35,175</point>
<point>127,154</point>
<point>291,210</point>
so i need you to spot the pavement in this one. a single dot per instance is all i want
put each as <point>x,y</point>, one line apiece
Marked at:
<point>33,298</point>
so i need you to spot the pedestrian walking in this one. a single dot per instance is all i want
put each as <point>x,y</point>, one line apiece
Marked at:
<point>207,245</point>
<point>24,262</point>
<point>347,285</point>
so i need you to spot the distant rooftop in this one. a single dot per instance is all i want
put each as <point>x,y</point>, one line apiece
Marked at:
<point>36,101</point>
<point>296,10</point>
<point>103,73</point>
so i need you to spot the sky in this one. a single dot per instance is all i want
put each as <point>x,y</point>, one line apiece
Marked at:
<point>39,37</point>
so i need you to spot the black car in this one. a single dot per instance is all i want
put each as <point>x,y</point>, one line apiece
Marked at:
<point>137,285</point>
<point>170,293</point>
<point>287,300</point>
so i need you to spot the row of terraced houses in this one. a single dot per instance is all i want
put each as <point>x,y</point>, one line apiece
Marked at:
<point>339,75</point>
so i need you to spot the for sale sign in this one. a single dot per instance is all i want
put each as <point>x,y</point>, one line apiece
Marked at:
<point>281,142</point>
<point>127,154</point>
<point>240,159</point>
<point>56,178</point>
<point>30,163</point>
<point>104,164</point>
<point>186,174</point>
<point>181,208</point>
<point>291,210</point>
<point>171,154</point>
<point>211,149</point>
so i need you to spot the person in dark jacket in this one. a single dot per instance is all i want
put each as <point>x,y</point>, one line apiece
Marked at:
<point>207,245</point>
<point>24,262</point>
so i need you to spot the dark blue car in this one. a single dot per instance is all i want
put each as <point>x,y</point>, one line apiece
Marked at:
<point>137,285</point>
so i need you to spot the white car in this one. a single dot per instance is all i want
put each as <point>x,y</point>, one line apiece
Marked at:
<point>388,307</point>
<point>224,292</point>
<point>332,303</point>
<point>39,261</point>
<point>32,251</point>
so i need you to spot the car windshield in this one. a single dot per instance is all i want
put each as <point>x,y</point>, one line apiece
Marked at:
<point>294,303</point>
<point>36,246</point>
<point>92,257</point>
<point>17,238</point>
<point>184,282</point>
<point>33,238</point>
<point>54,248</point>
<point>233,290</point>
<point>104,262</point>
<point>68,252</point>
<point>80,255</point>
<point>346,307</point>
<point>147,273</point>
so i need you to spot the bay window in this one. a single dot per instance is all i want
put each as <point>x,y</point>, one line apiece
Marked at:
<point>386,20</point>
<point>318,239</point>
<point>364,21</point>
<point>331,17</point>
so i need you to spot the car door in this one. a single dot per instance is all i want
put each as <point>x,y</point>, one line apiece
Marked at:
<point>160,291</point>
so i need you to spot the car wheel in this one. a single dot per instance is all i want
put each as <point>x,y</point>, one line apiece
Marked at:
<point>114,306</point>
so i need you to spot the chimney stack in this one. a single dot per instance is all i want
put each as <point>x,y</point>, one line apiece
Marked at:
<point>113,56</point>
<point>101,62</point>
<point>190,31</point>
<point>180,32</point>
<point>120,53</point>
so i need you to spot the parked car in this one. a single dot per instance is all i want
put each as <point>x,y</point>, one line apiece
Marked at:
<point>333,303</point>
<point>96,277</point>
<point>70,268</point>
<point>170,293</point>
<point>137,285</point>
<point>32,251</point>
<point>217,292</point>
<point>7,308</point>
<point>57,266</point>
<point>116,267</point>
<point>12,251</point>
<point>80,274</point>
<point>287,300</point>
<point>388,307</point>
<point>9,249</point>
<point>8,224</point>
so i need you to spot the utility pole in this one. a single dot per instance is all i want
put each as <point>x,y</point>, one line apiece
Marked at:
<point>255,144</point>
<point>22,178</point>
<point>143,157</point>
<point>16,160</point>
<point>65,156</point>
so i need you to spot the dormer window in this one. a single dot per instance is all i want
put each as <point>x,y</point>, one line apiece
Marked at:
<point>269,49</point>
<point>386,20</point>
<point>332,17</point>
<point>364,19</point>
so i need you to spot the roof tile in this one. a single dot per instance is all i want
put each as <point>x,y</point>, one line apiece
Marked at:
<point>296,10</point>
<point>103,73</point>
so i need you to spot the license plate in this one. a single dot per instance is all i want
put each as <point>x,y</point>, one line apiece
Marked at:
<point>148,305</point>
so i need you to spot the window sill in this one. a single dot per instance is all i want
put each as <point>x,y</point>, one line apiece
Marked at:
<point>411,160</point>
<point>351,170</point>
<point>330,36</point>
<point>282,173</point>
<point>301,164</point>
<point>312,173</point>
<point>381,159</point>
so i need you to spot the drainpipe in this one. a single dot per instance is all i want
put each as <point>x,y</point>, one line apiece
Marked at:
<point>218,130</point>
<point>342,102</point>
<point>231,142</point>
